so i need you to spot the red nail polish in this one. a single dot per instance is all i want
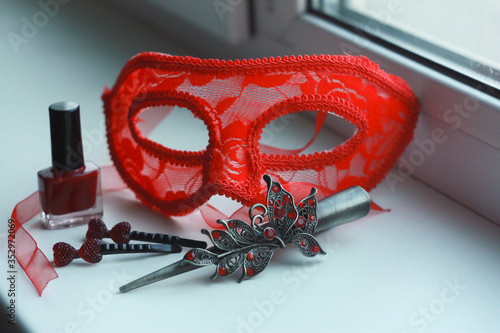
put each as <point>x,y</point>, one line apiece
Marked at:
<point>70,190</point>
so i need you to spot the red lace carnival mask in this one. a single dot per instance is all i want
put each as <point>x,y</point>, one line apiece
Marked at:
<point>235,100</point>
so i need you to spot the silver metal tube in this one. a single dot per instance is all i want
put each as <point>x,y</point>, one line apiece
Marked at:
<point>346,206</point>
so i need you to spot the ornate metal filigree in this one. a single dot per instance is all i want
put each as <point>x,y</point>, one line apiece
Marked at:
<point>251,246</point>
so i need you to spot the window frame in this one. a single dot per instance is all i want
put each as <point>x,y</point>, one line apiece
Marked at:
<point>442,98</point>
<point>438,56</point>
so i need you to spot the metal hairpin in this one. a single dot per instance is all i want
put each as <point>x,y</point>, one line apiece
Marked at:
<point>251,246</point>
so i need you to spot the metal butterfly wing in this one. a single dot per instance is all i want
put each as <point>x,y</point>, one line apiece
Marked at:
<point>251,246</point>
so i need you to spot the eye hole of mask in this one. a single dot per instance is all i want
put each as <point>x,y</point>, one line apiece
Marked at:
<point>292,133</point>
<point>177,129</point>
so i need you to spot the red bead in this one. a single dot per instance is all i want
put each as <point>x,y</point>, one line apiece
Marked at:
<point>216,235</point>
<point>301,204</point>
<point>292,215</point>
<point>312,218</point>
<point>250,271</point>
<point>275,189</point>
<point>279,202</point>
<point>279,212</point>
<point>270,202</point>
<point>222,271</point>
<point>190,256</point>
<point>287,198</point>
<point>300,223</point>
<point>231,224</point>
<point>315,249</point>
<point>269,233</point>
<point>250,256</point>
<point>311,202</point>
<point>303,243</point>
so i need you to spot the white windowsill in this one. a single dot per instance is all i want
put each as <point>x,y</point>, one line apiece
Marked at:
<point>428,264</point>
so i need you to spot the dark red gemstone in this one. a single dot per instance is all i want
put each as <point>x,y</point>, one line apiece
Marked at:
<point>216,235</point>
<point>300,223</point>
<point>270,202</point>
<point>275,189</point>
<point>269,233</point>
<point>222,271</point>
<point>279,202</point>
<point>279,212</point>
<point>311,202</point>
<point>312,218</point>
<point>301,204</point>
<point>231,224</point>
<point>250,271</point>
<point>287,198</point>
<point>292,215</point>
<point>250,256</point>
<point>303,243</point>
<point>63,253</point>
<point>315,249</point>
<point>190,256</point>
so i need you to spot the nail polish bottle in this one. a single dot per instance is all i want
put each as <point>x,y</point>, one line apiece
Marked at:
<point>69,190</point>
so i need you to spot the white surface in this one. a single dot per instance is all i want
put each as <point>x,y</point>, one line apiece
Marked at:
<point>226,20</point>
<point>390,272</point>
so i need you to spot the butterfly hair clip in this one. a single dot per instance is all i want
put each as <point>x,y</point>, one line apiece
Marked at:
<point>249,247</point>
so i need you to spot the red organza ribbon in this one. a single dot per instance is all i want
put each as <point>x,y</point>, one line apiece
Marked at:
<point>28,255</point>
<point>36,265</point>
